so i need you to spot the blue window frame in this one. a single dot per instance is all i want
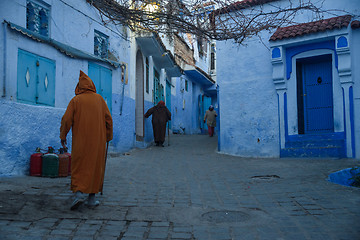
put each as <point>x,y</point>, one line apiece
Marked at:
<point>37,17</point>
<point>35,79</point>
<point>101,44</point>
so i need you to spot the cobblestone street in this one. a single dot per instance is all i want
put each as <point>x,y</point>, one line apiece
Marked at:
<point>189,191</point>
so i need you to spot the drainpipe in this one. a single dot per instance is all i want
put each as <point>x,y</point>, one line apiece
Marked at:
<point>122,88</point>
<point>4,59</point>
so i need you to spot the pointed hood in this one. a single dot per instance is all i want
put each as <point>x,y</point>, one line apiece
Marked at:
<point>85,84</point>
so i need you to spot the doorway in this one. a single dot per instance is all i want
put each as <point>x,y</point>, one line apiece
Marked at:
<point>315,95</point>
<point>139,97</point>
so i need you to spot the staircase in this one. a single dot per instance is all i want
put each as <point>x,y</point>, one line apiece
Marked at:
<point>329,145</point>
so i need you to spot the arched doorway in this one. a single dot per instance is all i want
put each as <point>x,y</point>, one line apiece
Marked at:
<point>139,97</point>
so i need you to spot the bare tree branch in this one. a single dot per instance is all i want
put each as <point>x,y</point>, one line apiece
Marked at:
<point>216,19</point>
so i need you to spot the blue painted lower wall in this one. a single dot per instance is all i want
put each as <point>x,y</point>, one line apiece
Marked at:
<point>25,127</point>
<point>124,124</point>
<point>184,109</point>
<point>148,131</point>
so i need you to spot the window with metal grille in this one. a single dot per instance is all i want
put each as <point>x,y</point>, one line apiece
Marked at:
<point>37,17</point>
<point>101,44</point>
<point>212,57</point>
<point>200,46</point>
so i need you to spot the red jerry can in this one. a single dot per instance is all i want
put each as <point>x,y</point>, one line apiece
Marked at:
<point>63,163</point>
<point>36,163</point>
<point>68,154</point>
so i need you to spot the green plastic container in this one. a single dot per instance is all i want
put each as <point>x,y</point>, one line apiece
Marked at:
<point>50,164</point>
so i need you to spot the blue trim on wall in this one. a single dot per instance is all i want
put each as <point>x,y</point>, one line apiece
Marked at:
<point>342,42</point>
<point>278,102</point>
<point>344,117</point>
<point>312,137</point>
<point>286,117</point>
<point>219,129</point>
<point>292,51</point>
<point>351,100</point>
<point>276,53</point>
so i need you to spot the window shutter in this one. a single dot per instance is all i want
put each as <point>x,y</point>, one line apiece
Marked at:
<point>102,78</point>
<point>26,77</point>
<point>94,74</point>
<point>106,85</point>
<point>46,82</point>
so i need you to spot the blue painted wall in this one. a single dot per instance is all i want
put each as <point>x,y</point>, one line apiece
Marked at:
<point>148,130</point>
<point>248,100</point>
<point>186,117</point>
<point>23,127</point>
<point>249,106</point>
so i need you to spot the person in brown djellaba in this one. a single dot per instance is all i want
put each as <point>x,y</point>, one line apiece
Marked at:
<point>90,120</point>
<point>210,118</point>
<point>160,115</point>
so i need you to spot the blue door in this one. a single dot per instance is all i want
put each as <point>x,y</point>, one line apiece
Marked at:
<point>168,97</point>
<point>35,79</point>
<point>102,78</point>
<point>158,88</point>
<point>318,96</point>
<point>26,77</point>
<point>46,82</point>
<point>204,104</point>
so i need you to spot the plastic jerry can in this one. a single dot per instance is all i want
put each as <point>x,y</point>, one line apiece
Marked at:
<point>36,163</point>
<point>50,164</point>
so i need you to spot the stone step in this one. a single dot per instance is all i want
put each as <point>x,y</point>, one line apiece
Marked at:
<point>317,152</point>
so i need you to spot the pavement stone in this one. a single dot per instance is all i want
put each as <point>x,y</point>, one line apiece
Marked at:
<point>188,191</point>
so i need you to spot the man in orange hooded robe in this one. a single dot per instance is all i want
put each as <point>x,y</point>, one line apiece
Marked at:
<point>89,117</point>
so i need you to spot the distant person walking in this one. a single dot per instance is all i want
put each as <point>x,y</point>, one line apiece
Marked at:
<point>160,115</point>
<point>210,116</point>
<point>89,117</point>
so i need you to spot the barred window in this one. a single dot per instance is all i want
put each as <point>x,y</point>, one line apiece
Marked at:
<point>101,44</point>
<point>37,17</point>
<point>212,57</point>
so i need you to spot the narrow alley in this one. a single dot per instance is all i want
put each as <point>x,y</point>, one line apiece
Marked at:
<point>188,191</point>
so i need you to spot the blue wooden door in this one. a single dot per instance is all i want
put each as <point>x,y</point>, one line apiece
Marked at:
<point>102,78</point>
<point>95,75</point>
<point>46,84</point>
<point>35,79</point>
<point>106,86</point>
<point>26,77</point>
<point>205,103</point>
<point>158,88</point>
<point>318,97</point>
<point>168,97</point>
